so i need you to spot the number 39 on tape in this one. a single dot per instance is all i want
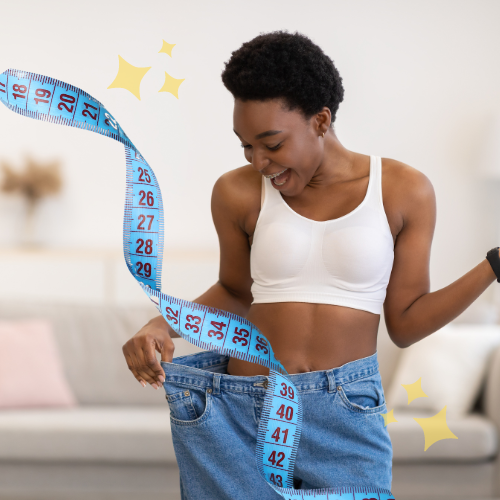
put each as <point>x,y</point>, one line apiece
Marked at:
<point>46,99</point>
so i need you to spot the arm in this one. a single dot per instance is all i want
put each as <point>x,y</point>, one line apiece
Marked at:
<point>411,311</point>
<point>231,293</point>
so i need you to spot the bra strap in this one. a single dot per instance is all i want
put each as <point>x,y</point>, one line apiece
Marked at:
<point>263,192</point>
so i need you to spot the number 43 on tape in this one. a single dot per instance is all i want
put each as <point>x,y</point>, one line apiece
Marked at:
<point>46,99</point>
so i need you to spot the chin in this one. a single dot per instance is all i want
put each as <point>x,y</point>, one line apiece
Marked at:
<point>291,190</point>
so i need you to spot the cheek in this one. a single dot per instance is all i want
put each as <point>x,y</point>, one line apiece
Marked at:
<point>305,159</point>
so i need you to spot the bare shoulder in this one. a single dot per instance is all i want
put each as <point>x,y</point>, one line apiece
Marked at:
<point>405,186</point>
<point>238,179</point>
<point>408,179</point>
<point>237,193</point>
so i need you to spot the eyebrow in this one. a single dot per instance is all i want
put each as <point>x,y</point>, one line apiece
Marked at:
<point>263,134</point>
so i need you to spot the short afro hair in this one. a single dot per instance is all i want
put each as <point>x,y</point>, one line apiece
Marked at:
<point>287,66</point>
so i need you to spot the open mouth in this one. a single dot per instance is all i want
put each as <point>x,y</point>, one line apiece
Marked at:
<point>279,178</point>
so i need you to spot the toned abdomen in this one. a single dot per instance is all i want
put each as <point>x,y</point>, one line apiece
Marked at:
<point>310,337</point>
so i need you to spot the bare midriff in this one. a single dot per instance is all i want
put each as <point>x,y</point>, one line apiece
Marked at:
<point>310,337</point>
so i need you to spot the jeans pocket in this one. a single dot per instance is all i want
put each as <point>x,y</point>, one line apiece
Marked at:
<point>364,395</point>
<point>188,405</point>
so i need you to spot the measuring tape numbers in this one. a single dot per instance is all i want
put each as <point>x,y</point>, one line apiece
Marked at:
<point>44,98</point>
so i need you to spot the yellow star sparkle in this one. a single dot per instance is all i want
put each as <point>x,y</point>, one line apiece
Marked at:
<point>171,85</point>
<point>167,48</point>
<point>389,417</point>
<point>415,390</point>
<point>435,428</point>
<point>129,77</point>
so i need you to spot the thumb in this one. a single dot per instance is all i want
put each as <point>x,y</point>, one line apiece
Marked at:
<point>166,349</point>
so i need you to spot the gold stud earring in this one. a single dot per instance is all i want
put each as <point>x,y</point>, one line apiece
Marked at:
<point>323,135</point>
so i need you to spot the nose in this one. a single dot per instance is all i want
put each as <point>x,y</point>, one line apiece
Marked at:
<point>259,160</point>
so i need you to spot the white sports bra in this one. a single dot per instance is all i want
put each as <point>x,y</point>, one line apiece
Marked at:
<point>345,261</point>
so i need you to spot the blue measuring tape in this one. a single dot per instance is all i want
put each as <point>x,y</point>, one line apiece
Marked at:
<point>44,98</point>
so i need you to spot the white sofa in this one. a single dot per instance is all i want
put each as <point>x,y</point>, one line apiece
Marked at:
<point>117,443</point>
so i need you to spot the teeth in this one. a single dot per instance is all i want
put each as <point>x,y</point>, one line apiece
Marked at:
<point>272,176</point>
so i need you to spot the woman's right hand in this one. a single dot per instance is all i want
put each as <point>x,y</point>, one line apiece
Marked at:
<point>140,353</point>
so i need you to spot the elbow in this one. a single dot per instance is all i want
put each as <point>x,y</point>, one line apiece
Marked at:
<point>399,341</point>
<point>244,296</point>
<point>398,335</point>
<point>404,337</point>
<point>405,333</point>
<point>400,326</point>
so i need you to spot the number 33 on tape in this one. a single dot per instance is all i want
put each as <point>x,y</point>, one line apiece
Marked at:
<point>44,98</point>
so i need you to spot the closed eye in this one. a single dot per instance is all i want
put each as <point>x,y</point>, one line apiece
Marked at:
<point>270,149</point>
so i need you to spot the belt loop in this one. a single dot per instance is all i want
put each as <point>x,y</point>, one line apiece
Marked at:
<point>216,388</point>
<point>331,380</point>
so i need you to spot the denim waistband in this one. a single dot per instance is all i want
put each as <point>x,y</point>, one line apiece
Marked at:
<point>207,369</point>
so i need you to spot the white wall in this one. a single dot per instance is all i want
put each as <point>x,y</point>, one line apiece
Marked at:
<point>421,81</point>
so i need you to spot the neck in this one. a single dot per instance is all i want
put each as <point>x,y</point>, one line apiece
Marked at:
<point>337,163</point>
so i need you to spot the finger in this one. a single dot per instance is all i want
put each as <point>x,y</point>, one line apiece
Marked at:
<point>130,362</point>
<point>142,375</point>
<point>143,354</point>
<point>143,361</point>
<point>141,369</point>
<point>133,370</point>
<point>152,363</point>
<point>154,383</point>
<point>167,351</point>
<point>134,364</point>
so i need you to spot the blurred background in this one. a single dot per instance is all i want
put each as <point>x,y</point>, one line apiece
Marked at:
<point>422,86</point>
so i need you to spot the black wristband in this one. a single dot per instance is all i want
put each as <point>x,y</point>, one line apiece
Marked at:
<point>494,260</point>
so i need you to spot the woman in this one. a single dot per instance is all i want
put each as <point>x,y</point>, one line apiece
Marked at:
<point>314,240</point>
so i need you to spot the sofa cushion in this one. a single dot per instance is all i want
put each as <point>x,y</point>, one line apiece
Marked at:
<point>452,365</point>
<point>87,434</point>
<point>33,343</point>
<point>477,439</point>
<point>90,340</point>
<point>134,434</point>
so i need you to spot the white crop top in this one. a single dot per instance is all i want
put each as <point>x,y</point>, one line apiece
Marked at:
<point>345,261</point>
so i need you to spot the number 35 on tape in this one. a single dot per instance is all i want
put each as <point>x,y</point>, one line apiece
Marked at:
<point>46,99</point>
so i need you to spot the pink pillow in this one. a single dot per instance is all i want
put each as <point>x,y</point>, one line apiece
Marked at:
<point>31,371</point>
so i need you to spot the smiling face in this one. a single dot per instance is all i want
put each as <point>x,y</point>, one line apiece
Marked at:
<point>278,141</point>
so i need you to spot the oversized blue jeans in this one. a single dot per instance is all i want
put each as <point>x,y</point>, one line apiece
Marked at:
<point>214,419</point>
